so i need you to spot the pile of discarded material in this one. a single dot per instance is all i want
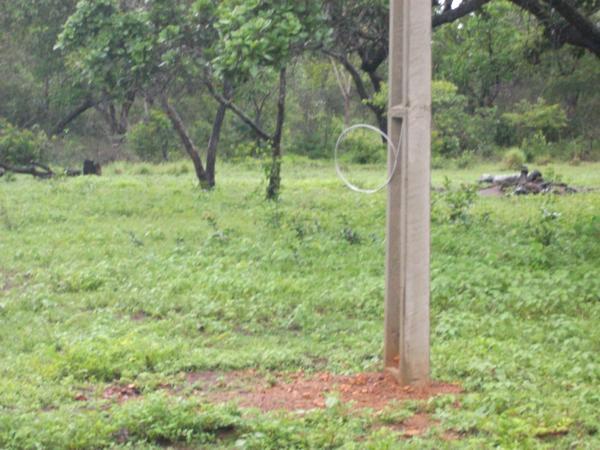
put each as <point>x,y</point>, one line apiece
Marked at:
<point>524,183</point>
<point>45,172</point>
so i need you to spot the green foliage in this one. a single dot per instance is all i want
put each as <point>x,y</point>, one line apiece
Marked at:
<point>454,205</point>
<point>122,47</point>
<point>465,160</point>
<point>544,230</point>
<point>159,280</point>
<point>264,33</point>
<point>455,131</point>
<point>163,420</point>
<point>536,119</point>
<point>449,117</point>
<point>108,46</point>
<point>20,146</point>
<point>363,146</point>
<point>514,159</point>
<point>535,146</point>
<point>479,54</point>
<point>153,139</point>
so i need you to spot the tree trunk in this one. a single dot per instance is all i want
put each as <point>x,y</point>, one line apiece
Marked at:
<point>123,124</point>
<point>275,174</point>
<point>345,89</point>
<point>187,142</point>
<point>213,142</point>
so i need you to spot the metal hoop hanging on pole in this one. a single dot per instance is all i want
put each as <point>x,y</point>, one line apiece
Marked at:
<point>392,169</point>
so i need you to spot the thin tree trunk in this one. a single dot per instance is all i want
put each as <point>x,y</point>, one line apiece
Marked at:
<point>275,174</point>
<point>187,142</point>
<point>213,142</point>
<point>345,86</point>
<point>123,124</point>
<point>112,117</point>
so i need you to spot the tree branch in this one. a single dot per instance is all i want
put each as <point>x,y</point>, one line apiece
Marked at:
<point>450,15</point>
<point>576,19</point>
<point>186,140</point>
<point>575,30</point>
<point>60,126</point>
<point>237,111</point>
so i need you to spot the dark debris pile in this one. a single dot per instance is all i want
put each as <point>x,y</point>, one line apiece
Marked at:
<point>524,183</point>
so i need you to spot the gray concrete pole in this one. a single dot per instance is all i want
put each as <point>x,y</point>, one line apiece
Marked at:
<point>408,217</point>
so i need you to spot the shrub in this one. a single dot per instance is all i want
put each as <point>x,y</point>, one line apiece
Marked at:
<point>457,131</point>
<point>465,160</point>
<point>514,159</point>
<point>249,149</point>
<point>535,146</point>
<point>19,146</point>
<point>531,119</point>
<point>363,147</point>
<point>153,139</point>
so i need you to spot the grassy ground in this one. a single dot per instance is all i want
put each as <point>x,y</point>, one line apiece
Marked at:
<point>138,277</point>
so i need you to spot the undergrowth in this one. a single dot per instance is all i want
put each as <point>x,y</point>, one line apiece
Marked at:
<point>139,277</point>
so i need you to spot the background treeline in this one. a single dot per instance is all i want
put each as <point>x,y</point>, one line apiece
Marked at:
<point>154,80</point>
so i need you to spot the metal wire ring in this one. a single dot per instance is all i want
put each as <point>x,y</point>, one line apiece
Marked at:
<point>394,149</point>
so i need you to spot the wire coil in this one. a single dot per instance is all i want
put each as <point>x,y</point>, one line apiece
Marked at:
<point>395,149</point>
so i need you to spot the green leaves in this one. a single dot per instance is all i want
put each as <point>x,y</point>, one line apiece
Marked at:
<point>260,33</point>
<point>21,147</point>
<point>121,49</point>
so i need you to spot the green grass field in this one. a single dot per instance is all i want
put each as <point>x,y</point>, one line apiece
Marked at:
<point>139,277</point>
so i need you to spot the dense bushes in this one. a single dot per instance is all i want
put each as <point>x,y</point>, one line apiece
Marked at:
<point>18,146</point>
<point>456,131</point>
<point>154,138</point>
<point>538,118</point>
<point>363,147</point>
<point>514,159</point>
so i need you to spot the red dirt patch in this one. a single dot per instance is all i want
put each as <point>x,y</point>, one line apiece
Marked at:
<point>140,316</point>
<point>494,191</point>
<point>121,394</point>
<point>6,280</point>
<point>299,392</point>
<point>414,426</point>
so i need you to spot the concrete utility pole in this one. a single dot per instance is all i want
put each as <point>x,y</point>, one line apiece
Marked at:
<point>408,216</point>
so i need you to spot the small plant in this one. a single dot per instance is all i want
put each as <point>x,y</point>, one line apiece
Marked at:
<point>459,201</point>
<point>465,160</point>
<point>551,175</point>
<point>535,146</point>
<point>5,218</point>
<point>514,159</point>
<point>351,236</point>
<point>9,177</point>
<point>274,216</point>
<point>545,229</point>
<point>363,147</point>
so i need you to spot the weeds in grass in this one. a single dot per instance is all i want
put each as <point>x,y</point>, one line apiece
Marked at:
<point>514,310</point>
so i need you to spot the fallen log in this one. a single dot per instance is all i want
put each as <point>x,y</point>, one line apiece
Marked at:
<point>35,169</point>
<point>42,171</point>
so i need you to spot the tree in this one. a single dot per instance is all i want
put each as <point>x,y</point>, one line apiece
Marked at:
<point>479,56</point>
<point>21,151</point>
<point>265,34</point>
<point>567,21</point>
<point>150,47</point>
<point>360,34</point>
<point>36,88</point>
